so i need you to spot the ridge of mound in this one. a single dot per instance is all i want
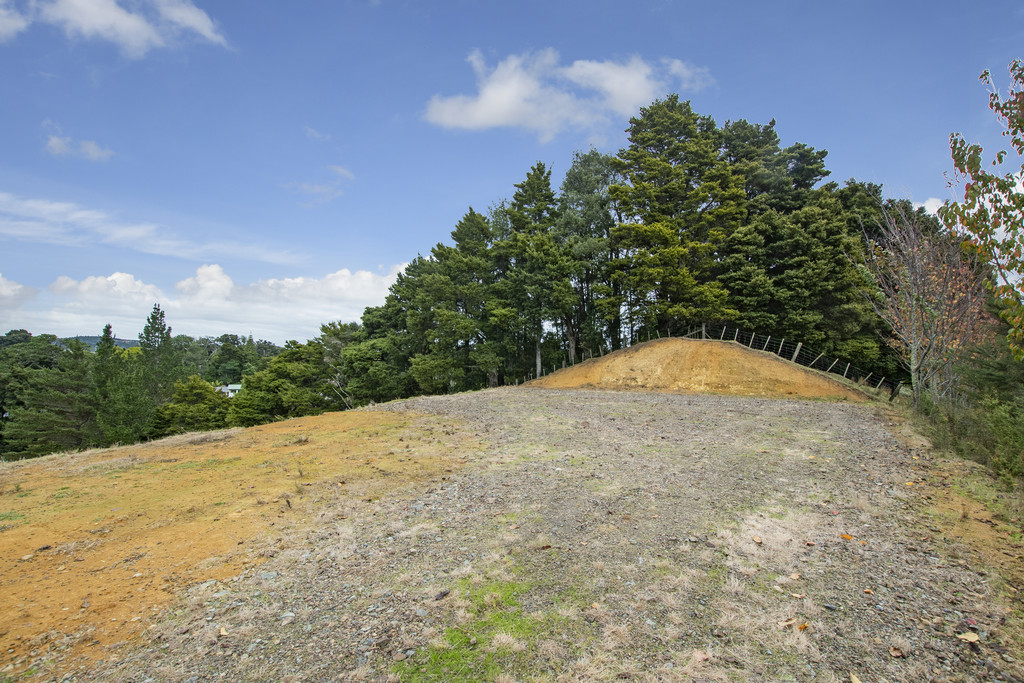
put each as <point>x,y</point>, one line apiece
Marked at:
<point>696,366</point>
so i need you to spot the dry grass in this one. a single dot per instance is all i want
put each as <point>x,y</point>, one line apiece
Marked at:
<point>506,641</point>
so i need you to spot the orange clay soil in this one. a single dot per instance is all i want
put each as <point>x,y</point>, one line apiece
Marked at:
<point>690,366</point>
<point>95,544</point>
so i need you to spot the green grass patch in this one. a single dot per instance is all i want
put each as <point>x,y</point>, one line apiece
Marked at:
<point>10,516</point>
<point>498,639</point>
<point>64,492</point>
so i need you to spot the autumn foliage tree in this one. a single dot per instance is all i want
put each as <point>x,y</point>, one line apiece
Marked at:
<point>930,291</point>
<point>991,213</point>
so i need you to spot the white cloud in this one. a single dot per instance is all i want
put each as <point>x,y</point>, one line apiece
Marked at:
<point>68,224</point>
<point>105,20</point>
<point>11,22</point>
<point>13,294</point>
<point>931,205</point>
<point>207,303</point>
<point>60,146</point>
<point>533,91</point>
<point>625,87</point>
<point>135,27</point>
<point>183,14</point>
<point>690,78</point>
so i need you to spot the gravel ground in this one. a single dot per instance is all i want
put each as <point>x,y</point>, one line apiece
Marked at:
<point>609,536</point>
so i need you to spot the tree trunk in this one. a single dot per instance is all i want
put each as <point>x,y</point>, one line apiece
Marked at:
<point>570,336</point>
<point>539,368</point>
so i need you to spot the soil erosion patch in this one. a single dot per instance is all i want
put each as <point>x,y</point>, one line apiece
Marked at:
<point>95,544</point>
<point>608,535</point>
<point>690,366</point>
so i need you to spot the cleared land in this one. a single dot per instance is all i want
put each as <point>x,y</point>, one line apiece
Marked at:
<point>516,534</point>
<point>688,366</point>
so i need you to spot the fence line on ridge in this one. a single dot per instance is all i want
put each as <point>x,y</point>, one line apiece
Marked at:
<point>787,349</point>
<point>795,352</point>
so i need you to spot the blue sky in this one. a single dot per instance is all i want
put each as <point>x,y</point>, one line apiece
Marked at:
<point>262,167</point>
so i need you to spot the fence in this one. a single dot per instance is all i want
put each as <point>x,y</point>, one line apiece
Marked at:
<point>796,352</point>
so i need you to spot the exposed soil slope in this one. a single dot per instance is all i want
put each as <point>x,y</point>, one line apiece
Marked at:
<point>94,545</point>
<point>691,366</point>
<point>516,534</point>
<point>604,536</point>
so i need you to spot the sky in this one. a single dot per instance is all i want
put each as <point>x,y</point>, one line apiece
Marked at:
<point>262,167</point>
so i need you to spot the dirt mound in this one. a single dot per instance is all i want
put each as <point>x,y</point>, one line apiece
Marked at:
<point>690,366</point>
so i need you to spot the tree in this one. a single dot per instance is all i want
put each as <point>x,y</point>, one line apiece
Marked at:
<point>681,202</point>
<point>991,213</point>
<point>931,293</point>
<point>531,278</point>
<point>20,355</point>
<point>583,234</point>
<point>196,406</point>
<point>774,178</point>
<point>234,358</point>
<point>160,359</point>
<point>334,338</point>
<point>55,410</point>
<point>794,275</point>
<point>294,383</point>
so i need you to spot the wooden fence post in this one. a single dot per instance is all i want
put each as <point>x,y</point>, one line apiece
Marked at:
<point>766,342</point>
<point>833,365</point>
<point>797,352</point>
<point>846,370</point>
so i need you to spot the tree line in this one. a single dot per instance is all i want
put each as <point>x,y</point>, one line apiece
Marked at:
<point>692,222</point>
<point>59,395</point>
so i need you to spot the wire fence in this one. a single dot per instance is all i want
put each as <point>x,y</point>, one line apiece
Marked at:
<point>796,352</point>
<point>787,349</point>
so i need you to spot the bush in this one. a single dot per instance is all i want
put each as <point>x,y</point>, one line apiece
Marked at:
<point>990,432</point>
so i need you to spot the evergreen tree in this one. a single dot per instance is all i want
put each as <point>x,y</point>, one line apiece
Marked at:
<point>583,234</point>
<point>532,280</point>
<point>195,406</point>
<point>160,359</point>
<point>294,383</point>
<point>774,178</point>
<point>55,410</point>
<point>20,355</point>
<point>681,202</point>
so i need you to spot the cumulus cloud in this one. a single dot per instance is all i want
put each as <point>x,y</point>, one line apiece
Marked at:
<point>68,224</point>
<point>135,27</point>
<point>60,146</point>
<point>13,294</point>
<point>536,92</point>
<point>206,303</point>
<point>931,205</point>
<point>11,21</point>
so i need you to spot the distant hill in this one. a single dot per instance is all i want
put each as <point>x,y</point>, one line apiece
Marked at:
<point>93,340</point>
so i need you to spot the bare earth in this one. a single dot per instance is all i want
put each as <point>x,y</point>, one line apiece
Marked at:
<point>690,366</point>
<point>530,534</point>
